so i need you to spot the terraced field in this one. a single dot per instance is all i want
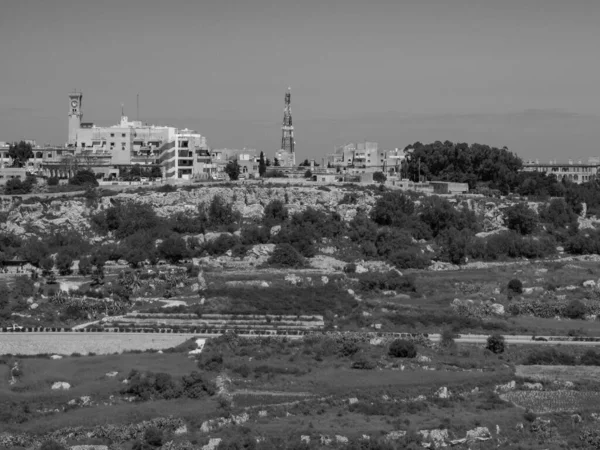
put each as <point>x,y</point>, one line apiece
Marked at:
<point>286,323</point>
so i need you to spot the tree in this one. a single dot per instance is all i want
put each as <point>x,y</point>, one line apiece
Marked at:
<point>84,177</point>
<point>155,172</point>
<point>575,310</point>
<point>233,170</point>
<point>447,338</point>
<point>401,348</point>
<point>496,343</point>
<point>52,181</point>
<point>379,177</point>
<point>64,263</point>
<point>20,153</point>
<point>47,264</point>
<point>392,209</point>
<point>173,249</point>
<point>275,213</point>
<point>276,162</point>
<point>268,162</point>
<point>521,218</point>
<point>308,174</point>
<point>262,165</point>
<point>85,266</point>
<point>515,286</point>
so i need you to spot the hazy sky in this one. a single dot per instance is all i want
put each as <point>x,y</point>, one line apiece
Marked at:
<point>517,73</point>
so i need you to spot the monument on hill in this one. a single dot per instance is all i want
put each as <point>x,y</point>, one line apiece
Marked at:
<point>286,155</point>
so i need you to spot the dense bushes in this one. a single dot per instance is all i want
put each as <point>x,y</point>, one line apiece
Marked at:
<point>521,218</point>
<point>554,357</point>
<point>439,215</point>
<point>173,249</point>
<point>153,386</point>
<point>15,186</point>
<point>400,348</point>
<point>281,300</point>
<point>510,244</point>
<point>550,357</point>
<point>83,178</point>
<point>386,281</point>
<point>125,219</point>
<point>285,255</point>
<point>575,310</point>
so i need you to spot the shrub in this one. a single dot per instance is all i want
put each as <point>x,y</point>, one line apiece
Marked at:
<point>495,343</point>
<point>379,177</point>
<point>529,416</point>
<point>515,286</point>
<point>84,177</point>
<point>350,268</point>
<point>392,209</point>
<point>575,310</point>
<point>454,244</point>
<point>221,214</point>
<point>222,244</point>
<point>154,437</point>
<point>348,348</point>
<point>364,364</point>
<point>590,358</point>
<point>439,215</point>
<point>559,214</point>
<point>52,181</point>
<point>52,445</point>
<point>166,188</point>
<point>411,258</point>
<point>401,348</point>
<point>23,287</point>
<point>386,281</point>
<point>285,255</point>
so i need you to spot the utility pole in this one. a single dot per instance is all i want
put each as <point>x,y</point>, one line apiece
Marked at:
<point>419,161</point>
<point>137,101</point>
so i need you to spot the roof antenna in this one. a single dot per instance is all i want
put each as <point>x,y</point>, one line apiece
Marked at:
<point>122,109</point>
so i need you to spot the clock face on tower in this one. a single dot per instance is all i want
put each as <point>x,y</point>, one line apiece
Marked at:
<point>74,103</point>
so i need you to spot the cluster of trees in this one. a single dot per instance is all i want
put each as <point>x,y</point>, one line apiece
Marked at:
<point>16,186</point>
<point>135,172</point>
<point>464,163</point>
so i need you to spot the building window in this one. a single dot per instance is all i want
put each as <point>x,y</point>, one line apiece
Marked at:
<point>123,135</point>
<point>112,134</point>
<point>49,155</point>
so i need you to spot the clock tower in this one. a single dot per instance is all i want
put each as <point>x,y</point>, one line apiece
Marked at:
<point>75,116</point>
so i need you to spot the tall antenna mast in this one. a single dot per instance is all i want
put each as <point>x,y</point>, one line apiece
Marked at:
<point>138,107</point>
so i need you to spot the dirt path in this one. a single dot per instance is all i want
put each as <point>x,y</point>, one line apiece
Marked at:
<point>272,393</point>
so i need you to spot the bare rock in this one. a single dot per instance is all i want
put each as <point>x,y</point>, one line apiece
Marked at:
<point>61,385</point>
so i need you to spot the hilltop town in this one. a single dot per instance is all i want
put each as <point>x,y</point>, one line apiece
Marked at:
<point>158,293</point>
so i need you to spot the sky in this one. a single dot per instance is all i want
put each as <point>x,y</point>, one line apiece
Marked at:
<point>517,73</point>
